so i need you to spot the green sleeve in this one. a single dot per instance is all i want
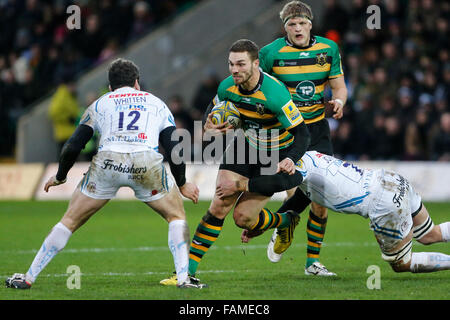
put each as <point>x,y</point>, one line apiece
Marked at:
<point>264,60</point>
<point>336,65</point>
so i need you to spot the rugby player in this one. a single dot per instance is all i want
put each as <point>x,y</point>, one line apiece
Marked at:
<point>130,123</point>
<point>305,63</point>
<point>272,124</point>
<point>395,210</point>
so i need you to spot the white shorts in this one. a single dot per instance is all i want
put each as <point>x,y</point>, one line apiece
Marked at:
<point>391,213</point>
<point>143,172</point>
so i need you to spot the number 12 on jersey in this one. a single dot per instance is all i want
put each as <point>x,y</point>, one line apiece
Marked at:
<point>134,115</point>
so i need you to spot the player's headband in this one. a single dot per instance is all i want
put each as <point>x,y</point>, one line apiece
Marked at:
<point>294,15</point>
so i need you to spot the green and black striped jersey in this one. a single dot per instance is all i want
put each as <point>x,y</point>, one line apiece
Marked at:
<point>267,112</point>
<point>305,71</point>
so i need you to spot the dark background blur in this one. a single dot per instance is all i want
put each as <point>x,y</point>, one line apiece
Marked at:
<point>398,77</point>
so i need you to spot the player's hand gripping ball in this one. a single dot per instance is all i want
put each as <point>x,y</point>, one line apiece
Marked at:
<point>226,111</point>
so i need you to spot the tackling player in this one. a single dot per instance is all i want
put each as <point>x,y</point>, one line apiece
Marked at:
<point>130,123</point>
<point>395,210</point>
<point>272,125</point>
<point>305,64</point>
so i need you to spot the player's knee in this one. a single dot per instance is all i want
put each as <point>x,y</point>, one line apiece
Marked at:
<point>319,211</point>
<point>400,259</point>
<point>241,220</point>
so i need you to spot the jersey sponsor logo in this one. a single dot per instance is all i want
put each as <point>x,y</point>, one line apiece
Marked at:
<point>304,54</point>
<point>125,95</point>
<point>305,90</point>
<point>142,136</point>
<point>108,164</point>
<point>402,188</point>
<point>282,63</point>
<point>130,107</point>
<point>130,139</point>
<point>321,58</point>
<point>291,112</point>
<point>128,101</point>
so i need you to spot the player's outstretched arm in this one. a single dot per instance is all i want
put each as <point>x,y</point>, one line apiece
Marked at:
<point>265,185</point>
<point>178,168</point>
<point>302,139</point>
<point>69,154</point>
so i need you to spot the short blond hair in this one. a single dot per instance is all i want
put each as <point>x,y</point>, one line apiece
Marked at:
<point>296,9</point>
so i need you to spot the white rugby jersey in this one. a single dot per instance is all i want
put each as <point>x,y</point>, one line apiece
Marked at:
<point>336,184</point>
<point>128,120</point>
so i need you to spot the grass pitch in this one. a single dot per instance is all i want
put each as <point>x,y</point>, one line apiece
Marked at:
<point>122,253</point>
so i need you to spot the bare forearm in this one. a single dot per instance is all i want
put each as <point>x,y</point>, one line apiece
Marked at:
<point>340,93</point>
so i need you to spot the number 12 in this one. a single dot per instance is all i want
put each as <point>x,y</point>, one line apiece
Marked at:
<point>131,125</point>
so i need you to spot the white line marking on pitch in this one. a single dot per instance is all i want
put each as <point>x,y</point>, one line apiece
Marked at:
<point>130,274</point>
<point>164,248</point>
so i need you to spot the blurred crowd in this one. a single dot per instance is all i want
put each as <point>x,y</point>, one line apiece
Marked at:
<point>397,76</point>
<point>398,79</point>
<point>39,53</point>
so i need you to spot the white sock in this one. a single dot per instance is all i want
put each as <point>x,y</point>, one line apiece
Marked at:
<point>178,245</point>
<point>55,242</point>
<point>429,262</point>
<point>445,230</point>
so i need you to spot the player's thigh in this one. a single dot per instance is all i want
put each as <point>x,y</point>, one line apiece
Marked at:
<point>170,206</point>
<point>247,209</point>
<point>424,229</point>
<point>221,207</point>
<point>81,208</point>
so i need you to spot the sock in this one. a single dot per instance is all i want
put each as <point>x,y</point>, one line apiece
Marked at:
<point>53,243</point>
<point>315,231</point>
<point>178,244</point>
<point>445,230</point>
<point>297,202</point>
<point>207,232</point>
<point>429,262</point>
<point>268,219</point>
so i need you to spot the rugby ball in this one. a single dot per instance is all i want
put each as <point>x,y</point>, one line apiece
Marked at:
<point>226,111</point>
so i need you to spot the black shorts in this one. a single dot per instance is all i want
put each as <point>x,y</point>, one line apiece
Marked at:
<point>320,137</point>
<point>247,161</point>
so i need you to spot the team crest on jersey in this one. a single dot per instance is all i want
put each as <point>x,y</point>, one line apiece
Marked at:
<point>321,59</point>
<point>260,108</point>
<point>91,187</point>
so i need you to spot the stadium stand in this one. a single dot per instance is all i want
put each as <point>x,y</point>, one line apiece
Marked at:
<point>398,79</point>
<point>38,52</point>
